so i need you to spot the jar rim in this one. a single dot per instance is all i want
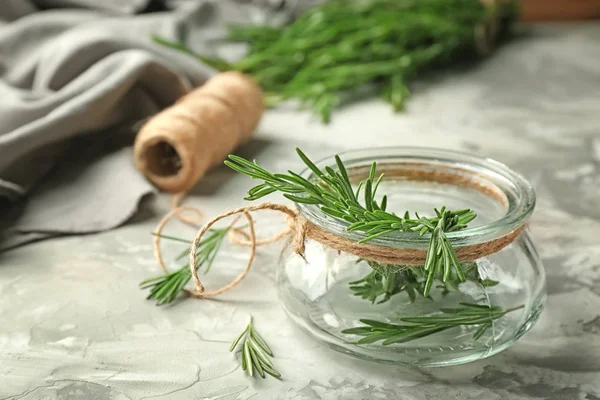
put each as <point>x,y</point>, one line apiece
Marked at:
<point>517,190</point>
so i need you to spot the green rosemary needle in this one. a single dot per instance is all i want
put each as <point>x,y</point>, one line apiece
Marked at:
<point>418,327</point>
<point>255,353</point>
<point>165,288</point>
<point>332,191</point>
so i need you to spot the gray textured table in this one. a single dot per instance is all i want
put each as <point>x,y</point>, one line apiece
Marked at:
<point>73,324</point>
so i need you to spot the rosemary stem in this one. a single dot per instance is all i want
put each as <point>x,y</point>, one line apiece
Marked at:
<point>514,308</point>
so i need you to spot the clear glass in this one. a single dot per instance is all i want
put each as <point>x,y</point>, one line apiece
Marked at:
<point>317,293</point>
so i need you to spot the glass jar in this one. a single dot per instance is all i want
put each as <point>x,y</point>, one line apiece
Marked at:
<point>331,291</point>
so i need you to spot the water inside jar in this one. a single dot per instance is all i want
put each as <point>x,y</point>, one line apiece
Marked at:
<point>423,197</point>
<point>323,286</point>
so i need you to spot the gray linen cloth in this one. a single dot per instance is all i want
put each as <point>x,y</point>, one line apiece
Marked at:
<point>75,77</point>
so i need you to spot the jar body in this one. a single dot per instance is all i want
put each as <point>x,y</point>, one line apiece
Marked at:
<point>317,294</point>
<point>328,291</point>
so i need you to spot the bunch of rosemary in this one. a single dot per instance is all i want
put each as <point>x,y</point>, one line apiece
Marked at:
<point>334,48</point>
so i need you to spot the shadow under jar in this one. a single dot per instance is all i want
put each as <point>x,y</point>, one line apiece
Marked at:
<point>332,290</point>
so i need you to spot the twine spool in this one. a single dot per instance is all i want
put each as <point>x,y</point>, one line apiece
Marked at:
<point>176,147</point>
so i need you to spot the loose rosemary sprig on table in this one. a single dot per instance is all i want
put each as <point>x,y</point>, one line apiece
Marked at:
<point>165,288</point>
<point>418,327</point>
<point>255,353</point>
<point>332,192</point>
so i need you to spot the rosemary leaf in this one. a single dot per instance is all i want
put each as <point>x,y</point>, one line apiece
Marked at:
<point>261,342</point>
<point>246,354</point>
<point>271,371</point>
<point>255,360</point>
<point>259,353</point>
<point>481,330</point>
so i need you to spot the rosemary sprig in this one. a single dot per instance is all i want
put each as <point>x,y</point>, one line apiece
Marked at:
<point>387,280</point>
<point>419,327</point>
<point>165,288</point>
<point>255,353</point>
<point>332,191</point>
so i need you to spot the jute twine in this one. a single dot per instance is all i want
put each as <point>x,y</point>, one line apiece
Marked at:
<point>301,229</point>
<point>176,147</point>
